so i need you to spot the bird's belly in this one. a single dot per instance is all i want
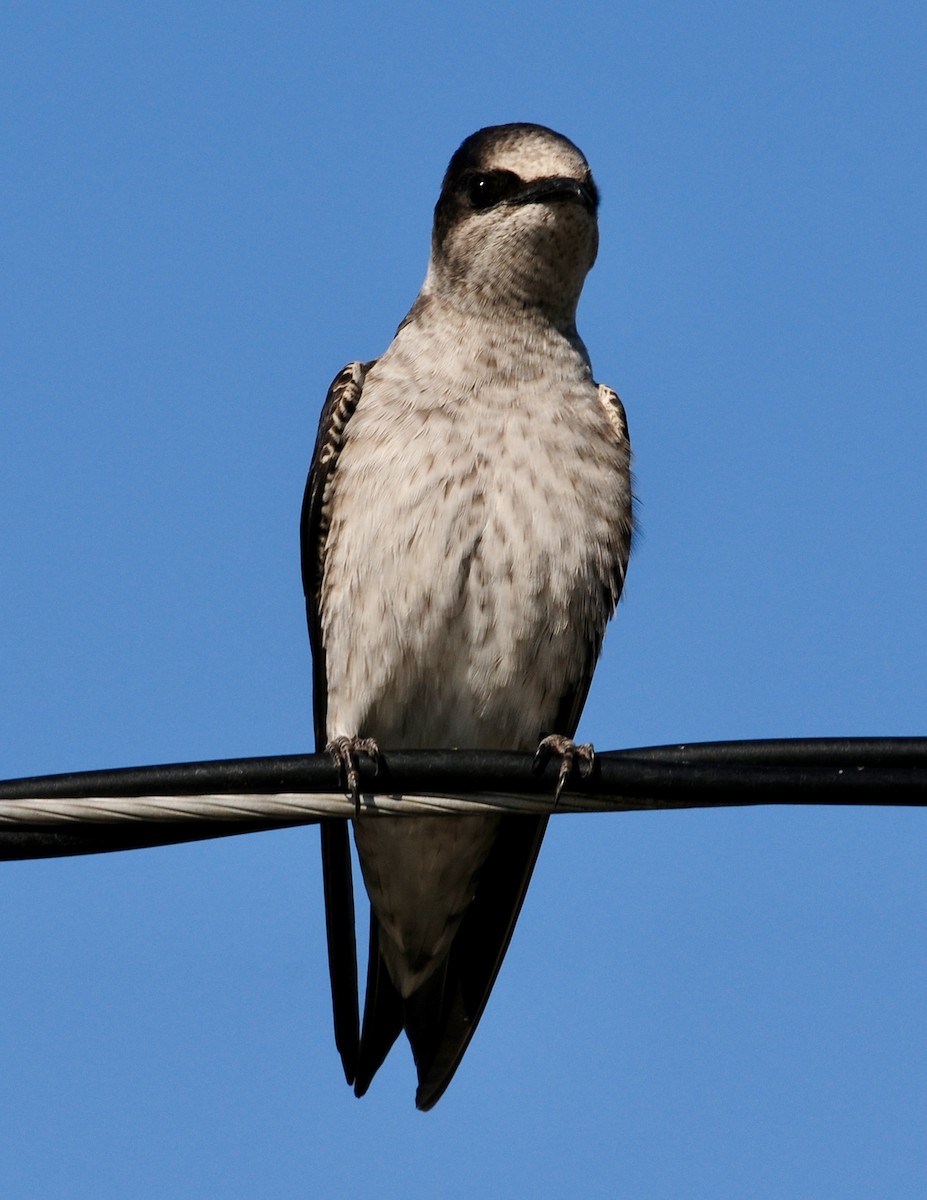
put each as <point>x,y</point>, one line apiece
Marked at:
<point>473,637</point>
<point>484,666</point>
<point>465,594</point>
<point>421,873</point>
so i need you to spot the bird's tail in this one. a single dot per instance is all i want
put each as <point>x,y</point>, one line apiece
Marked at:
<point>440,1017</point>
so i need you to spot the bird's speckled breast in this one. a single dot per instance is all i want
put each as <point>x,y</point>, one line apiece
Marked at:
<point>473,532</point>
<point>467,572</point>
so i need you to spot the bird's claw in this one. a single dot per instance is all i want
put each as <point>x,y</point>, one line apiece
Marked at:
<point>343,752</point>
<point>570,754</point>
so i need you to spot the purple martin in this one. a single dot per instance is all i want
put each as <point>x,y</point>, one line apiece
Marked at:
<point>465,533</point>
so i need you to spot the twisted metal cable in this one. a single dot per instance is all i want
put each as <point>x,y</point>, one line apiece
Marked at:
<point>95,811</point>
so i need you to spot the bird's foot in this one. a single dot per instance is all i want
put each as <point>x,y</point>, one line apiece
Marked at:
<point>343,752</point>
<point>570,756</point>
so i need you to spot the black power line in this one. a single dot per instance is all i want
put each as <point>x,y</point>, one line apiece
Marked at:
<point>846,771</point>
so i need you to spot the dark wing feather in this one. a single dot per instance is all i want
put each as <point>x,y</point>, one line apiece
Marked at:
<point>338,890</point>
<point>383,1013</point>
<point>337,410</point>
<point>338,886</point>
<point>618,420</point>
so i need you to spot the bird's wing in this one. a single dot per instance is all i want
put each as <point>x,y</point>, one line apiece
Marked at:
<point>383,1013</point>
<point>340,403</point>
<point>624,521</point>
<point>339,406</point>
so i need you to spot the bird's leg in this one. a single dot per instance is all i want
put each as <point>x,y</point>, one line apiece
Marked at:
<point>344,752</point>
<point>570,756</point>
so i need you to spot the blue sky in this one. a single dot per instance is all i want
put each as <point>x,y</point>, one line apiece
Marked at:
<point>206,211</point>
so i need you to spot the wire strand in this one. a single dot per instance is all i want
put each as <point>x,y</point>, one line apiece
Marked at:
<point>127,808</point>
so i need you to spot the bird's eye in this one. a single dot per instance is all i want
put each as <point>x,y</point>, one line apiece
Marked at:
<point>483,191</point>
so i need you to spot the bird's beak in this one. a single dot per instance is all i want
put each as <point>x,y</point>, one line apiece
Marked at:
<point>556,190</point>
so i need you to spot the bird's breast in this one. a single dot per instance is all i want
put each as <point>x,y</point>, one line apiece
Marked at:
<point>471,529</point>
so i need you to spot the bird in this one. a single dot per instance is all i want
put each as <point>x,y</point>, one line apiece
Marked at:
<point>465,533</point>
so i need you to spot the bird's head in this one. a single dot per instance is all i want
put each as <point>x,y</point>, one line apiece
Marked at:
<point>515,223</point>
